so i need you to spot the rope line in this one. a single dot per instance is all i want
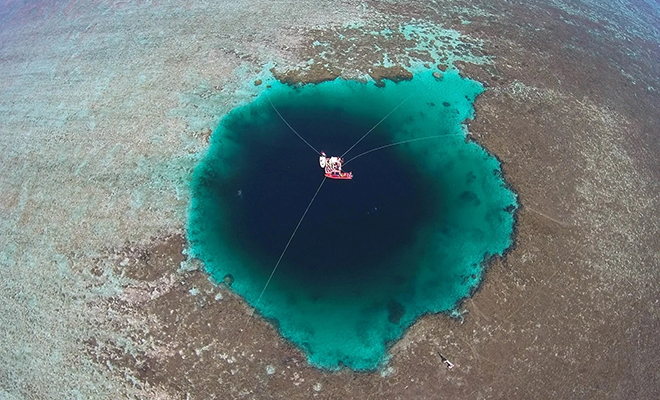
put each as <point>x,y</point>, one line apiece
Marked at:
<point>294,131</point>
<point>379,122</point>
<point>282,256</point>
<point>402,142</point>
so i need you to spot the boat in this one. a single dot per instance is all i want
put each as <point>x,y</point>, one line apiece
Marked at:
<point>332,167</point>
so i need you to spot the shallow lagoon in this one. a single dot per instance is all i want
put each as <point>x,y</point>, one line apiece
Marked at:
<point>409,235</point>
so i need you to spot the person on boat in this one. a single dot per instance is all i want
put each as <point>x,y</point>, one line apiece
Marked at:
<point>323,160</point>
<point>335,163</point>
<point>330,163</point>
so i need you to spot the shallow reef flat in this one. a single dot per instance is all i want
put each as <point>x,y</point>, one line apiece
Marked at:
<point>107,107</point>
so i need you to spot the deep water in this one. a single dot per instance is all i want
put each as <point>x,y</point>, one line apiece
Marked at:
<point>409,235</point>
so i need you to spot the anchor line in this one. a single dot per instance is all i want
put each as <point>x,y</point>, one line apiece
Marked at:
<point>294,131</point>
<point>282,256</point>
<point>375,126</point>
<point>401,142</point>
<point>355,144</point>
<point>324,179</point>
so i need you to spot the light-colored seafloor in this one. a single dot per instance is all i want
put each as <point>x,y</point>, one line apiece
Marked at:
<point>104,111</point>
<point>97,152</point>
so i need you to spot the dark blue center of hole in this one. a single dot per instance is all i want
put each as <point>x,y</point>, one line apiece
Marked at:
<point>353,229</point>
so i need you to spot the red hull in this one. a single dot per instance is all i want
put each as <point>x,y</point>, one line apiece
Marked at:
<point>339,175</point>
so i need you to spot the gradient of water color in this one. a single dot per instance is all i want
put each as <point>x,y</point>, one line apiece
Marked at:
<point>409,235</point>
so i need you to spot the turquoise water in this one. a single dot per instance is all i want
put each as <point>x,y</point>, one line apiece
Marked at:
<point>409,235</point>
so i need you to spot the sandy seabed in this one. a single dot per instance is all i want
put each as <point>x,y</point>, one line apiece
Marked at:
<point>106,107</point>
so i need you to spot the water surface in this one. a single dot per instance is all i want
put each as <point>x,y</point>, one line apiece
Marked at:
<point>407,236</point>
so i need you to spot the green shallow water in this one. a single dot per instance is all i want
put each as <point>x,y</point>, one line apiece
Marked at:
<point>409,235</point>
